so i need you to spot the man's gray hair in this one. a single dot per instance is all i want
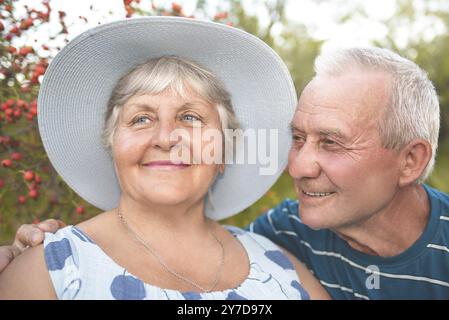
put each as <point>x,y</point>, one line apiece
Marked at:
<point>413,111</point>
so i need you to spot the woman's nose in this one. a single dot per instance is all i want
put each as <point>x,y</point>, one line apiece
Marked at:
<point>164,137</point>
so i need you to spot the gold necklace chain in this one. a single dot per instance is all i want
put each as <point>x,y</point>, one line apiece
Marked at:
<point>166,267</point>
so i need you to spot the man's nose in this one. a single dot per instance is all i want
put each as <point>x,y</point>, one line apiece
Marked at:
<point>304,162</point>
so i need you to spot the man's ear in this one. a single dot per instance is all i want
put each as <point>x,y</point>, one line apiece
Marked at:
<point>415,157</point>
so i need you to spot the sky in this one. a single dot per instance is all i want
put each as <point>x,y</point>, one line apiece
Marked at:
<point>318,15</point>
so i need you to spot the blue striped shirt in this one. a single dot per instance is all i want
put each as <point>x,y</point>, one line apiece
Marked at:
<point>420,272</point>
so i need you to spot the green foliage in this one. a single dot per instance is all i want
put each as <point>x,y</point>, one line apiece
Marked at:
<point>430,55</point>
<point>298,50</point>
<point>30,189</point>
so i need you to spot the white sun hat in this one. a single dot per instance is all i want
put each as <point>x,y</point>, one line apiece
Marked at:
<point>78,83</point>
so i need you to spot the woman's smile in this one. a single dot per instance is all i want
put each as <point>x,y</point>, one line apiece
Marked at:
<point>165,165</point>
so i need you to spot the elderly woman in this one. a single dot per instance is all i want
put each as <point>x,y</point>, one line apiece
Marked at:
<point>156,240</point>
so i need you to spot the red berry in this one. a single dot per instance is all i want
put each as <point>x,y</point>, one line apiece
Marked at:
<point>16,156</point>
<point>33,104</point>
<point>129,11</point>
<point>5,140</point>
<point>33,194</point>
<point>17,113</point>
<point>23,25</point>
<point>176,7</point>
<point>33,185</point>
<point>29,22</point>
<point>37,179</point>
<point>28,175</point>
<point>33,110</point>
<point>220,15</point>
<point>7,163</point>
<point>25,50</point>
<point>2,183</point>
<point>36,221</point>
<point>15,30</point>
<point>80,210</point>
<point>39,70</point>
<point>34,78</point>
<point>10,102</point>
<point>22,199</point>
<point>21,104</point>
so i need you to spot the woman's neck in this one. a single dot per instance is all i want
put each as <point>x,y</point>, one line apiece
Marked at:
<point>161,220</point>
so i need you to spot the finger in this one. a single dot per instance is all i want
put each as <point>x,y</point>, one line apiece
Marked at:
<point>15,251</point>
<point>51,225</point>
<point>26,235</point>
<point>6,256</point>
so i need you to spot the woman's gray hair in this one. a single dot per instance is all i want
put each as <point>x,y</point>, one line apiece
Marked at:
<point>168,72</point>
<point>413,111</point>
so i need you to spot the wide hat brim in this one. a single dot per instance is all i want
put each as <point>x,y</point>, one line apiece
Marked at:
<point>76,87</point>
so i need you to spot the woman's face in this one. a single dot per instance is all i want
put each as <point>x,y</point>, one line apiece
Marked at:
<point>144,145</point>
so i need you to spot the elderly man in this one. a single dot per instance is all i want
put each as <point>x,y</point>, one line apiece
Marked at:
<point>365,136</point>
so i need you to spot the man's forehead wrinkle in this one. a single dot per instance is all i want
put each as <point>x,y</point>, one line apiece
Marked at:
<point>357,139</point>
<point>320,105</point>
<point>307,112</point>
<point>317,109</point>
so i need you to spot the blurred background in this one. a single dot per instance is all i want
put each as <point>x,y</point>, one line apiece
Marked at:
<point>33,31</point>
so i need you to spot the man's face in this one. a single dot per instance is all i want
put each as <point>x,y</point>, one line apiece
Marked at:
<point>342,174</point>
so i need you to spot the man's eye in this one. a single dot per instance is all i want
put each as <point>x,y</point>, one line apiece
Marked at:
<point>329,142</point>
<point>298,138</point>
<point>141,120</point>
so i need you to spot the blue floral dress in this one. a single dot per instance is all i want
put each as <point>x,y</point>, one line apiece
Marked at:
<point>80,269</point>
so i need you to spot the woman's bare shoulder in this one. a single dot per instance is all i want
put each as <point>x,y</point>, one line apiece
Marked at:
<point>27,277</point>
<point>104,222</point>
<point>97,219</point>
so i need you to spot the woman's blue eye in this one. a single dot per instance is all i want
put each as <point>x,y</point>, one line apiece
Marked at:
<point>141,120</point>
<point>189,117</point>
